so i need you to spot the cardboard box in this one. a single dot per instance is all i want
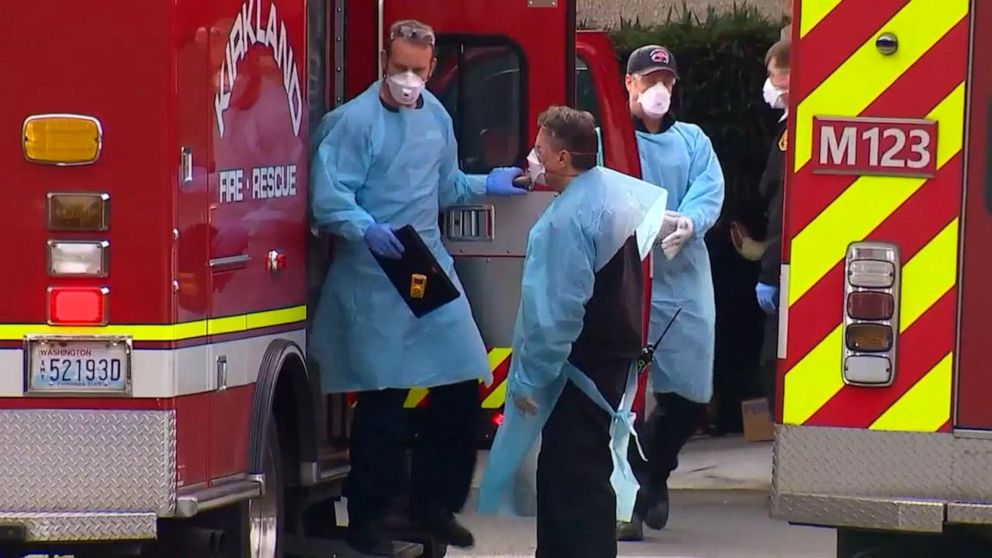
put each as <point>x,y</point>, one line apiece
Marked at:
<point>757,416</point>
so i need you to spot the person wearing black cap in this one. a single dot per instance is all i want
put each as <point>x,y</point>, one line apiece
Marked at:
<point>678,157</point>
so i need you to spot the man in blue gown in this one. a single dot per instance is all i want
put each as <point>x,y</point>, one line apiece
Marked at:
<point>678,157</point>
<point>386,159</point>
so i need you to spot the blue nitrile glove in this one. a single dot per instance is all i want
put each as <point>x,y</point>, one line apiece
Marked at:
<point>500,182</point>
<point>767,297</point>
<point>383,242</point>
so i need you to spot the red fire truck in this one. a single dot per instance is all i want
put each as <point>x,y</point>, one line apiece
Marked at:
<point>153,376</point>
<point>885,422</point>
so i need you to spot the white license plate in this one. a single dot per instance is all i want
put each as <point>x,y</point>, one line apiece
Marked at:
<point>91,366</point>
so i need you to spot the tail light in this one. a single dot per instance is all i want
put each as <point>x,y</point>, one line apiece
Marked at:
<point>73,258</point>
<point>871,317</point>
<point>77,306</point>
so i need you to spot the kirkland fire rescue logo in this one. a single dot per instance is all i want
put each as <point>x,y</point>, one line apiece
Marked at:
<point>248,31</point>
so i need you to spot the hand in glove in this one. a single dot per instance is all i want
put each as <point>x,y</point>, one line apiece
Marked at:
<point>767,297</point>
<point>672,244</point>
<point>500,182</point>
<point>382,242</point>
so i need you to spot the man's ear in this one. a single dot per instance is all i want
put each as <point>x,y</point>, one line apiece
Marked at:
<point>430,73</point>
<point>384,60</point>
<point>628,82</point>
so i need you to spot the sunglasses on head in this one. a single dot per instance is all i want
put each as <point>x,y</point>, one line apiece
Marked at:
<point>413,33</point>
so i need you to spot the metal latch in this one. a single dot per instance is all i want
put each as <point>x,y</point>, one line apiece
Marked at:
<point>473,223</point>
<point>186,164</point>
<point>221,373</point>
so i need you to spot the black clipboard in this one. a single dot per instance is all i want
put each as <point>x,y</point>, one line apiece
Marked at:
<point>417,276</point>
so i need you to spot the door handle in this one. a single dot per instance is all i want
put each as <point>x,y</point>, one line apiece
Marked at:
<point>229,262</point>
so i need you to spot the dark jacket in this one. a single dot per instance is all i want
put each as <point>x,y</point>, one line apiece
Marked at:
<point>770,187</point>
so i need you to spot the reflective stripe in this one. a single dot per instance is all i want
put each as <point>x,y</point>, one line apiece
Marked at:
<point>865,205</point>
<point>865,75</point>
<point>813,12</point>
<point>497,357</point>
<point>167,332</point>
<point>925,278</point>
<point>926,407</point>
<point>929,275</point>
<point>814,380</point>
<point>497,396</point>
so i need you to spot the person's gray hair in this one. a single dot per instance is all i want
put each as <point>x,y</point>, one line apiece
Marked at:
<point>575,132</point>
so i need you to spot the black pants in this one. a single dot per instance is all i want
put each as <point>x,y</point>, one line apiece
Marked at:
<point>672,422</point>
<point>576,505</point>
<point>769,358</point>
<point>442,463</point>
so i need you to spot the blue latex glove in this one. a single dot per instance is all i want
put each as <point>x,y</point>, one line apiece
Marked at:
<point>767,297</point>
<point>383,242</point>
<point>500,182</point>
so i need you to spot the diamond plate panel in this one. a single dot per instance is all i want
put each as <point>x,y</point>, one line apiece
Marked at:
<point>87,461</point>
<point>971,514</point>
<point>72,527</point>
<point>862,463</point>
<point>897,515</point>
<point>970,470</point>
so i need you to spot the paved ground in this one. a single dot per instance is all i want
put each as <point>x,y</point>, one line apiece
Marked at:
<point>719,510</point>
<point>704,524</point>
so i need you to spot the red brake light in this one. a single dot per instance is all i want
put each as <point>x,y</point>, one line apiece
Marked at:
<point>497,419</point>
<point>77,306</point>
<point>870,306</point>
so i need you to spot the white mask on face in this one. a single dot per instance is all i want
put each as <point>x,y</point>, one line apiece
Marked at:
<point>773,95</point>
<point>656,101</point>
<point>535,169</point>
<point>405,87</point>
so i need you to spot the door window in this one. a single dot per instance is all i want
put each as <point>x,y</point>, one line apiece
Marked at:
<point>481,85</point>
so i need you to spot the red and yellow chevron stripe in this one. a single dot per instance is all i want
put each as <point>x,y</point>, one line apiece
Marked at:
<point>838,72</point>
<point>491,396</point>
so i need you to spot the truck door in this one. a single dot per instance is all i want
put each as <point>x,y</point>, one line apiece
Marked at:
<point>257,200</point>
<point>497,69</point>
<point>974,381</point>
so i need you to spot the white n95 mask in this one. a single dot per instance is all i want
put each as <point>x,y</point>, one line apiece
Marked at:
<point>405,87</point>
<point>773,95</point>
<point>656,101</point>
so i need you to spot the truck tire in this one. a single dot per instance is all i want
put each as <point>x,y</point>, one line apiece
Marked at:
<point>854,543</point>
<point>264,518</point>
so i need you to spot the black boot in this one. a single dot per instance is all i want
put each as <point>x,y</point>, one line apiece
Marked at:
<point>369,539</point>
<point>656,516</point>
<point>447,530</point>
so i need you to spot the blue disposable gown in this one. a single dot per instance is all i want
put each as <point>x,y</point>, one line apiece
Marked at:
<point>682,161</point>
<point>578,234</point>
<point>376,165</point>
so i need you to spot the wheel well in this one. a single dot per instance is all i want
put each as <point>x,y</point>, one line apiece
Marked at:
<point>285,410</point>
<point>286,392</point>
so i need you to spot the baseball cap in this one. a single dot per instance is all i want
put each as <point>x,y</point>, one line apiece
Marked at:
<point>651,58</point>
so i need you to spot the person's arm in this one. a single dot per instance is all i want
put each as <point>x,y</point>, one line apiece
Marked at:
<point>456,187</point>
<point>704,198</point>
<point>558,281</point>
<point>771,260</point>
<point>340,165</point>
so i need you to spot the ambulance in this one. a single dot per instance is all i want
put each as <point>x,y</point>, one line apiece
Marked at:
<point>155,393</point>
<point>884,417</point>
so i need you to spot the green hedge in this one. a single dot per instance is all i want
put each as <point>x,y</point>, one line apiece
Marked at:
<point>720,56</point>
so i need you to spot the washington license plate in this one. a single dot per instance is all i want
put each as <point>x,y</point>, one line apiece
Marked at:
<point>90,366</point>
